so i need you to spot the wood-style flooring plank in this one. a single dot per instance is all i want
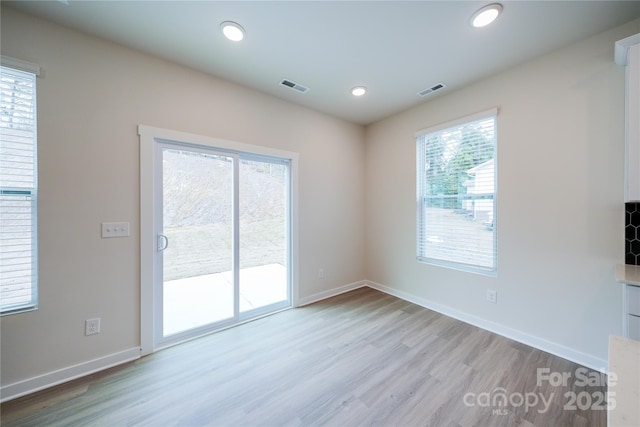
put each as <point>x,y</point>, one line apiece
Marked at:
<point>363,358</point>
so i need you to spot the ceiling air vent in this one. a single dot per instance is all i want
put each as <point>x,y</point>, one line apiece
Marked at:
<point>293,85</point>
<point>432,89</point>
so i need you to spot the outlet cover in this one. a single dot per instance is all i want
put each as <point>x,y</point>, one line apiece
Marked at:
<point>92,326</point>
<point>492,296</point>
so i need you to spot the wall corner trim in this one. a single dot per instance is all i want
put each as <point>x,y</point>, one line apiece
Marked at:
<point>50,379</point>
<point>330,293</point>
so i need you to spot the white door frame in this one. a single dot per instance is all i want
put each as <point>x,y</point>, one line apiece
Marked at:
<point>150,137</point>
<point>160,340</point>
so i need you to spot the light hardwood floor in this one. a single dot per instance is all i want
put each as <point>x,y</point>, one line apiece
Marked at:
<point>361,358</point>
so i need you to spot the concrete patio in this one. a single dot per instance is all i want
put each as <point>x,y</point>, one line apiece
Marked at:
<point>201,300</point>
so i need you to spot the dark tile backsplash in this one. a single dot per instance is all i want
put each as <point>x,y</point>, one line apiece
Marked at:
<point>632,233</point>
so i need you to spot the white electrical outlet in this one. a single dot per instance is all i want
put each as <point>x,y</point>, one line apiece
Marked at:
<point>321,273</point>
<point>115,229</point>
<point>492,296</point>
<point>92,326</point>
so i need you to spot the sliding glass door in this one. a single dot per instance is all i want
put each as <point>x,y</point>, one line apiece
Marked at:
<point>263,233</point>
<point>222,239</point>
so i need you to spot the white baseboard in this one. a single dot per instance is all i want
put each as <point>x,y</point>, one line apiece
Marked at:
<point>330,293</point>
<point>514,334</point>
<point>50,379</point>
<point>31,385</point>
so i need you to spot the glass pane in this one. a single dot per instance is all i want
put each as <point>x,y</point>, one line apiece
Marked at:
<point>456,184</point>
<point>460,235</point>
<point>18,207</point>
<point>16,250</point>
<point>263,234</point>
<point>198,223</point>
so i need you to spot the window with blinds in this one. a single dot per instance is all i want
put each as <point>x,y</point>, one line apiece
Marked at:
<point>18,185</point>
<point>456,194</point>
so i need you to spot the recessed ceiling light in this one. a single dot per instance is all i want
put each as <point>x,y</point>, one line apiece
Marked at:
<point>232,31</point>
<point>358,91</point>
<point>486,15</point>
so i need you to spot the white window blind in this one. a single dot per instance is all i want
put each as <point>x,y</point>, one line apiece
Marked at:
<point>456,194</point>
<point>18,185</point>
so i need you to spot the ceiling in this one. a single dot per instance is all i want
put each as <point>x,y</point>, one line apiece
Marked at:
<point>394,48</point>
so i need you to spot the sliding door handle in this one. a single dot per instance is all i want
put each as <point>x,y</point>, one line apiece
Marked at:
<point>162,243</point>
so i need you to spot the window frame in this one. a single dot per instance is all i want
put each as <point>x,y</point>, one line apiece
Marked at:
<point>422,255</point>
<point>16,65</point>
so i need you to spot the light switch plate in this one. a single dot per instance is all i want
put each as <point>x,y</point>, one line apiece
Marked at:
<point>115,229</point>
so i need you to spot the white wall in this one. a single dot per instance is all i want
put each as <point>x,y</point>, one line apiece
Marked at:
<point>91,97</point>
<point>560,201</point>
<point>560,231</point>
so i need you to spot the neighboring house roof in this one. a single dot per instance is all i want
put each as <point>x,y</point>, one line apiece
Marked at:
<point>486,165</point>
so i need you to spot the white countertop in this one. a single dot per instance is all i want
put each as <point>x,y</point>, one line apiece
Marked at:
<point>629,274</point>
<point>624,362</point>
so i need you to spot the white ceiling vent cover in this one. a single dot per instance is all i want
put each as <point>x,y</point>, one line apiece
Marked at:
<point>432,89</point>
<point>293,85</point>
